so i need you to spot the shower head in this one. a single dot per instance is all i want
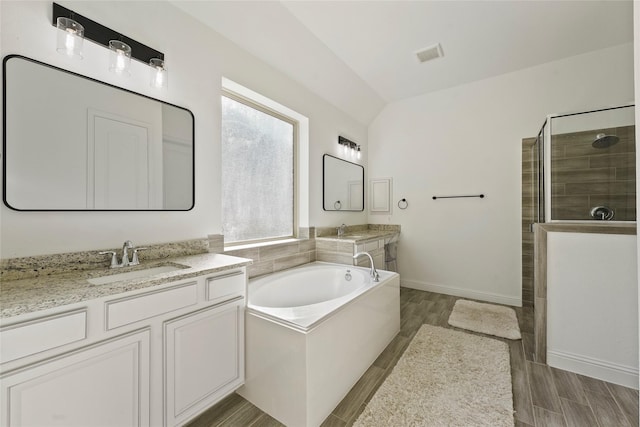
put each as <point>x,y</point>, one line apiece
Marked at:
<point>604,141</point>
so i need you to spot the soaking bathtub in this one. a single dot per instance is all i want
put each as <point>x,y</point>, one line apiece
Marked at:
<point>311,332</point>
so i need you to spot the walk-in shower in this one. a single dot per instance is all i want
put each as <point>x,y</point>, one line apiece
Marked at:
<point>579,262</point>
<point>585,167</point>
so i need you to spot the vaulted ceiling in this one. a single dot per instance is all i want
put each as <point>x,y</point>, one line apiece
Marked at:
<point>360,55</point>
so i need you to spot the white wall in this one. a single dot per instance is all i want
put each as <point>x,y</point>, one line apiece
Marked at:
<point>197,58</point>
<point>467,140</point>
<point>592,311</point>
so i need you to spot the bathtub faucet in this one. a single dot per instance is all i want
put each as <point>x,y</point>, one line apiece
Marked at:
<point>373,273</point>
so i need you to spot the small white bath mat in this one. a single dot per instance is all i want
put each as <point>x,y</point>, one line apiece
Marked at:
<point>445,378</point>
<point>485,318</point>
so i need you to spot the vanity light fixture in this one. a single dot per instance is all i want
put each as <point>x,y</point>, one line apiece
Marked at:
<point>70,37</point>
<point>349,147</point>
<point>159,78</point>
<point>120,57</point>
<point>122,48</point>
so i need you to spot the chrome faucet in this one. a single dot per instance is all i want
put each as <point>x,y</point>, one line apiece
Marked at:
<point>341,230</point>
<point>373,272</point>
<point>125,254</point>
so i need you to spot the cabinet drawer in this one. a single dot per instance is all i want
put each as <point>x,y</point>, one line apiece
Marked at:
<point>128,310</point>
<point>35,336</point>
<point>227,286</point>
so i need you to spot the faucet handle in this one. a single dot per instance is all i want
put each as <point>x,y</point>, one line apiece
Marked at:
<point>135,260</point>
<point>114,259</point>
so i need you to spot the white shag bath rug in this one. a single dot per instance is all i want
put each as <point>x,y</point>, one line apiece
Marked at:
<point>485,318</point>
<point>445,378</point>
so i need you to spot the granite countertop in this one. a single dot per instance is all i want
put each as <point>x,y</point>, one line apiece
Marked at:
<point>360,236</point>
<point>39,293</point>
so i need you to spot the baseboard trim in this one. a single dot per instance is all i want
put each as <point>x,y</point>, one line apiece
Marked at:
<point>596,368</point>
<point>460,292</point>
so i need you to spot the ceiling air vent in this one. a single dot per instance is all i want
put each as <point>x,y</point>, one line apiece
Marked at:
<point>429,53</point>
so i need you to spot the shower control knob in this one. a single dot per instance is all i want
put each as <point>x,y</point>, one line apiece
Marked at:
<point>602,213</point>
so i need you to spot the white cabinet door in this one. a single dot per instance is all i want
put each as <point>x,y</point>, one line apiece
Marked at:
<point>106,384</point>
<point>204,354</point>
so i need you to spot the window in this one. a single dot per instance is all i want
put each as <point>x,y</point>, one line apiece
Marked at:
<point>258,172</point>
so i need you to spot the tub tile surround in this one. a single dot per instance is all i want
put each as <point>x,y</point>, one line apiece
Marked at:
<point>313,244</point>
<point>540,276</point>
<point>272,257</point>
<point>37,283</point>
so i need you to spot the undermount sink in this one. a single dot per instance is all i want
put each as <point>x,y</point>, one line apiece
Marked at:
<point>135,274</point>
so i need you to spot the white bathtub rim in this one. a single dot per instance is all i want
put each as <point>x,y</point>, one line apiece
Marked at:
<point>361,278</point>
<point>336,305</point>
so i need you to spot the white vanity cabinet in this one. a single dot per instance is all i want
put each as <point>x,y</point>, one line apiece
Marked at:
<point>156,356</point>
<point>203,359</point>
<point>105,384</point>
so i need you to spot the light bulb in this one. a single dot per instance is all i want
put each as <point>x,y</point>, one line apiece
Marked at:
<point>159,80</point>
<point>69,42</point>
<point>358,152</point>
<point>119,61</point>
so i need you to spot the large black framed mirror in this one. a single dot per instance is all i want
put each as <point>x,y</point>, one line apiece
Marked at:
<point>72,143</point>
<point>342,185</point>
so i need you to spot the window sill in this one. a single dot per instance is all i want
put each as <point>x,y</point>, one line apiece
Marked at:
<point>261,244</point>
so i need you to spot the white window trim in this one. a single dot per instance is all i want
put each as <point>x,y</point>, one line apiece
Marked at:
<point>301,186</point>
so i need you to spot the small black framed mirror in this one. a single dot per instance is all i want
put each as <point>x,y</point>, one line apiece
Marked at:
<point>342,185</point>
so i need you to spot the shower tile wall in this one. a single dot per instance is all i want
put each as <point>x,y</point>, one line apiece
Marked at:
<point>528,206</point>
<point>583,176</point>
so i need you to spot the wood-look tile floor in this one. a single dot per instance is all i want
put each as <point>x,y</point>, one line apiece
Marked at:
<point>542,396</point>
